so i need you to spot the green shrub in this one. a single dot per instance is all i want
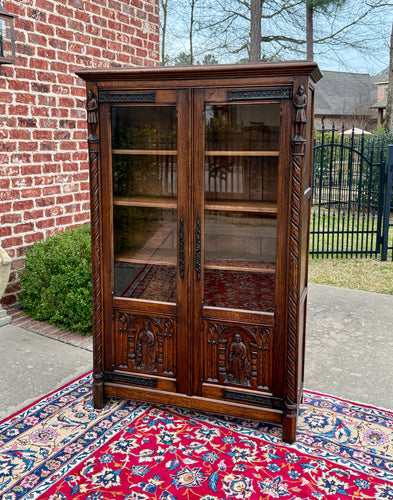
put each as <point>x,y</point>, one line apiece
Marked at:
<point>56,281</point>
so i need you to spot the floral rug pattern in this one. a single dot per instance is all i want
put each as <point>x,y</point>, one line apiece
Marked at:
<point>222,288</point>
<point>62,448</point>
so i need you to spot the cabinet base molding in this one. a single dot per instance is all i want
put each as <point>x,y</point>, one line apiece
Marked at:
<point>253,398</point>
<point>196,403</point>
<point>130,379</point>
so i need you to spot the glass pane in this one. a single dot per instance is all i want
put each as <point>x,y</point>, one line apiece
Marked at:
<point>242,127</point>
<point>144,127</point>
<point>144,175</point>
<point>241,178</point>
<point>145,241</point>
<point>240,239</point>
<point>241,182</point>
<point>240,254</point>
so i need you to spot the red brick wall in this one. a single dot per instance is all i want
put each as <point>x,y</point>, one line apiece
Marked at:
<point>44,178</point>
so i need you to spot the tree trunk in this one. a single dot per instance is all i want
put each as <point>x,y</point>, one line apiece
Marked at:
<point>192,5</point>
<point>164,7</point>
<point>255,31</point>
<point>310,31</point>
<point>389,105</point>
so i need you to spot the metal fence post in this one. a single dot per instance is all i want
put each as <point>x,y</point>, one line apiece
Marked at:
<point>388,197</point>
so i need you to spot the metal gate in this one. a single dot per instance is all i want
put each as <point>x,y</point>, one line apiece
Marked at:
<point>351,196</point>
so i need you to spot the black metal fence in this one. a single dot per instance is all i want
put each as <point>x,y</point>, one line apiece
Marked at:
<point>349,216</point>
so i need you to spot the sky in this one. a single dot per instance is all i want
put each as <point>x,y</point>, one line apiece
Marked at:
<point>372,34</point>
<point>375,57</point>
<point>356,62</point>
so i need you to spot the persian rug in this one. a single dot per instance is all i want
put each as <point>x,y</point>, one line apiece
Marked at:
<point>223,288</point>
<point>62,448</point>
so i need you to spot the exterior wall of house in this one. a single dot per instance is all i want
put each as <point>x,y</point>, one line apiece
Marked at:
<point>44,181</point>
<point>366,122</point>
<point>382,89</point>
<point>380,105</point>
<point>337,121</point>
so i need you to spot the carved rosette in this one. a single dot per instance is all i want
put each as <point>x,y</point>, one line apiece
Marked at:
<point>144,343</point>
<point>298,149</point>
<point>238,356</point>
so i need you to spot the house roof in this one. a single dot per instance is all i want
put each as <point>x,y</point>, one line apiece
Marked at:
<point>382,77</point>
<point>340,93</point>
<point>381,104</point>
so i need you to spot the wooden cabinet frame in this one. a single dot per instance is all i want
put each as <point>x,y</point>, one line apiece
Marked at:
<point>192,341</point>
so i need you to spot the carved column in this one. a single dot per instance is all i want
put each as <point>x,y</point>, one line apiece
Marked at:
<point>297,174</point>
<point>94,143</point>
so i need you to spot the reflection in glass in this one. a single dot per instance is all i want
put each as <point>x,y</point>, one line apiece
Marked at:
<point>240,239</point>
<point>241,178</point>
<point>144,177</point>
<point>240,254</point>
<point>145,241</point>
<point>249,291</point>
<point>242,127</point>
<point>144,127</point>
<point>241,182</point>
<point>145,281</point>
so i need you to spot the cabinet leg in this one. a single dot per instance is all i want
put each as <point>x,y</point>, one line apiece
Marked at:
<point>289,428</point>
<point>98,392</point>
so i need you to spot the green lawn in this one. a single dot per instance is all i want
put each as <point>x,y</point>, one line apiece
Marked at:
<point>353,233</point>
<point>358,274</point>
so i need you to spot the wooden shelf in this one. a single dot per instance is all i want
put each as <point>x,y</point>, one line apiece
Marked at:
<point>157,256</point>
<point>242,153</point>
<point>226,205</point>
<point>173,152</point>
<point>242,206</point>
<point>145,201</point>
<point>161,257</point>
<point>149,152</point>
<point>240,265</point>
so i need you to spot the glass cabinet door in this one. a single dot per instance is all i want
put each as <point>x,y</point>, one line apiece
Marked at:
<point>240,211</point>
<point>144,178</point>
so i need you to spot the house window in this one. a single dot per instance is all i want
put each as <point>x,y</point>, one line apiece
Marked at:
<point>7,37</point>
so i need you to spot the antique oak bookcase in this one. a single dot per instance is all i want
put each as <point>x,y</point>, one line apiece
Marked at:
<point>200,201</point>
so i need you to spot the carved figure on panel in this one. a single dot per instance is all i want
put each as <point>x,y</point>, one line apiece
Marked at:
<point>146,348</point>
<point>91,108</point>
<point>300,103</point>
<point>238,361</point>
<point>212,334</point>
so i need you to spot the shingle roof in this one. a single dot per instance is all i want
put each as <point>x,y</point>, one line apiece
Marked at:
<point>341,93</point>
<point>381,104</point>
<point>382,77</point>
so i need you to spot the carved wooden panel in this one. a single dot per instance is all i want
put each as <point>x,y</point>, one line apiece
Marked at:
<point>145,343</point>
<point>96,239</point>
<point>284,92</point>
<point>238,355</point>
<point>130,97</point>
<point>297,166</point>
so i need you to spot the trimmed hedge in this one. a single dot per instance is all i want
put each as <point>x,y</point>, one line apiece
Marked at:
<point>56,281</point>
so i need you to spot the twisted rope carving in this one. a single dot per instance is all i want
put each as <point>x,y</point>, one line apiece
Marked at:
<point>96,261</point>
<point>294,251</point>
